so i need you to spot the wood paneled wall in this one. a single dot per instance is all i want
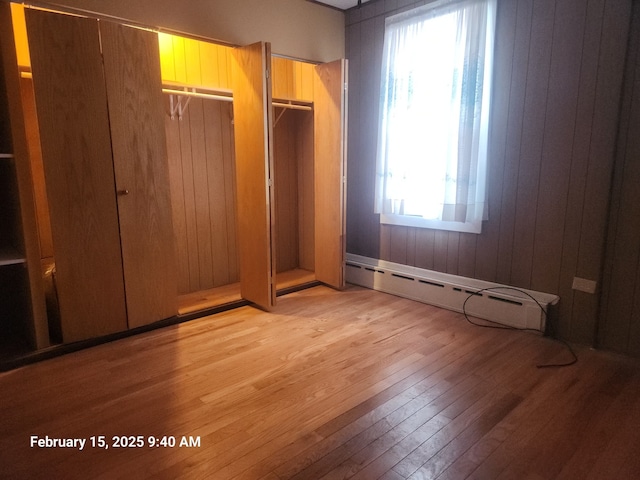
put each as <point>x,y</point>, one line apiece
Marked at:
<point>292,79</point>
<point>202,176</point>
<point>194,62</point>
<point>202,164</point>
<point>558,76</point>
<point>294,189</point>
<point>619,328</point>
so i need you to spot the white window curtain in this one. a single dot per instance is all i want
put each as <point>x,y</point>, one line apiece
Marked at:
<point>434,117</point>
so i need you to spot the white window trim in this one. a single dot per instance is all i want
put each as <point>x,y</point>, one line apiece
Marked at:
<point>420,222</point>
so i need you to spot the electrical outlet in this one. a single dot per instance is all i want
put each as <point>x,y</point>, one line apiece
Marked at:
<point>584,285</point>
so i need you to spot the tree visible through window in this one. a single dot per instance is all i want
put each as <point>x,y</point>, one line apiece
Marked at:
<point>434,117</point>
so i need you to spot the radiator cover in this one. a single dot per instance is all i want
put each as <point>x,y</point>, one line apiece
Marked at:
<point>500,304</point>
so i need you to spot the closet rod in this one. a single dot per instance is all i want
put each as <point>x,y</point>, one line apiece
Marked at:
<point>187,93</point>
<point>292,106</point>
<point>226,98</point>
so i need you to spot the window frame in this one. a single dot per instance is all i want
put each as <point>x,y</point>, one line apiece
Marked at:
<point>467,226</point>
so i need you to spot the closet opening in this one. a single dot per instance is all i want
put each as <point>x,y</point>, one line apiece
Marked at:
<point>294,195</point>
<point>203,198</point>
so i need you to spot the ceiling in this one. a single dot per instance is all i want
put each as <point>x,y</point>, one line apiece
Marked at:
<point>340,4</point>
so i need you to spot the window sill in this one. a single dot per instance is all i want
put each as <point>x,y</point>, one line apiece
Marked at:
<point>420,222</point>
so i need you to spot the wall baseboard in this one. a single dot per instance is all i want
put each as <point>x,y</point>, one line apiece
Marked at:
<point>518,308</point>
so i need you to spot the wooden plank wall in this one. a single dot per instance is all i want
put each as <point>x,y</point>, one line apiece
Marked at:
<point>558,75</point>
<point>294,192</point>
<point>201,164</point>
<point>194,62</point>
<point>620,313</point>
<point>292,79</point>
<point>202,176</point>
<point>293,163</point>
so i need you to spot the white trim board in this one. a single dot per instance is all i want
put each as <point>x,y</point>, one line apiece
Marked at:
<point>518,308</point>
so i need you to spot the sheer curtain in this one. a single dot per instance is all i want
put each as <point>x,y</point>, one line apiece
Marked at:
<point>434,117</point>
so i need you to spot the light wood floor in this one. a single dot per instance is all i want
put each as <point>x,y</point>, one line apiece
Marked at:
<point>214,297</point>
<point>354,384</point>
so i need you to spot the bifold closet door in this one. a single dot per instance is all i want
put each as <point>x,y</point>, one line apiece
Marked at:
<point>330,120</point>
<point>136,114</point>
<point>72,113</point>
<point>252,115</point>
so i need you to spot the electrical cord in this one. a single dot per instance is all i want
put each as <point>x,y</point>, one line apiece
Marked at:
<point>501,326</point>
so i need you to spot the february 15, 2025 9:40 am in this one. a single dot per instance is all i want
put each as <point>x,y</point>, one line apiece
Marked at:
<point>116,441</point>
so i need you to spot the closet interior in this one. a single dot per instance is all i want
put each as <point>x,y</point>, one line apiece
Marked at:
<point>151,176</point>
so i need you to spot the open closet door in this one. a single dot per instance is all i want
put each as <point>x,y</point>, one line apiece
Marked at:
<point>76,148</point>
<point>136,112</point>
<point>330,123</point>
<point>252,115</point>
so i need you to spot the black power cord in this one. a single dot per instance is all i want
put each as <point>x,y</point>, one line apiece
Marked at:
<point>501,326</point>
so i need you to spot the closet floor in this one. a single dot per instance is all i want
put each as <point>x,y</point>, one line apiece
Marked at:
<point>216,297</point>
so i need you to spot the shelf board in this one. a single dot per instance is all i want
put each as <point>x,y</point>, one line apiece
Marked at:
<point>6,155</point>
<point>10,256</point>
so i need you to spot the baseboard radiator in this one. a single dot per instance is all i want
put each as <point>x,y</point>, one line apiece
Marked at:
<point>499,304</point>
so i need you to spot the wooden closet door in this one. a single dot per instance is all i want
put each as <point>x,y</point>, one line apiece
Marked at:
<point>252,114</point>
<point>136,113</point>
<point>76,148</point>
<point>330,123</point>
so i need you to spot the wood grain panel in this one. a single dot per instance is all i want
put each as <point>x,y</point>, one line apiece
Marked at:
<point>294,189</point>
<point>76,147</point>
<point>286,191</point>
<point>252,114</point>
<point>487,249</point>
<point>204,214</point>
<point>514,117</point>
<point>134,94</point>
<point>167,62</point>
<point>222,201</point>
<point>330,117</point>
<point>230,185</point>
<point>620,311</point>
<point>564,77</point>
<point>364,225</point>
<point>282,79</point>
<point>615,21</point>
<point>179,59</point>
<point>178,200</point>
<point>292,79</point>
<point>190,213</point>
<point>194,62</point>
<point>304,81</point>
<point>530,148</point>
<point>579,164</point>
<point>199,165</point>
<point>306,188</point>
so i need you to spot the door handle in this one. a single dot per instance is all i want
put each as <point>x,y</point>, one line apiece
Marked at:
<point>123,192</point>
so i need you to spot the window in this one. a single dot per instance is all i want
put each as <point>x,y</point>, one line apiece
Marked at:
<point>434,117</point>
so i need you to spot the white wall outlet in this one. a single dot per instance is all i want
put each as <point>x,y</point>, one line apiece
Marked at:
<point>584,285</point>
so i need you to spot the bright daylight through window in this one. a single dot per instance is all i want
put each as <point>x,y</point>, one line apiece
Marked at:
<point>434,115</point>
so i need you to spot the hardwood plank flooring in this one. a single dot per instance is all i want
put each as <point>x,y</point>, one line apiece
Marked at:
<point>330,385</point>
